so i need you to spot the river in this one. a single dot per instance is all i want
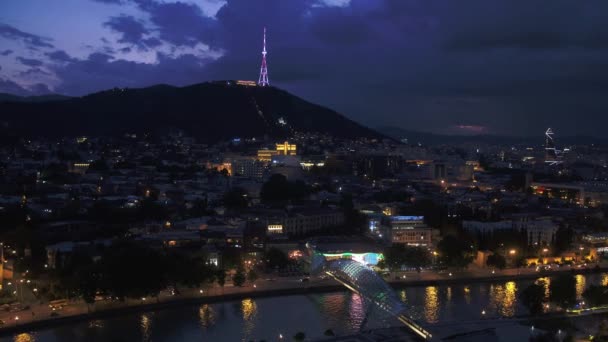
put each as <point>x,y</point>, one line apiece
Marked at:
<point>269,318</point>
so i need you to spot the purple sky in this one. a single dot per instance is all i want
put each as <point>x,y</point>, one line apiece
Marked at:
<point>445,66</point>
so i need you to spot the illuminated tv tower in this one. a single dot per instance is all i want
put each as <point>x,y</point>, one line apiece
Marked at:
<point>552,154</point>
<point>263,81</point>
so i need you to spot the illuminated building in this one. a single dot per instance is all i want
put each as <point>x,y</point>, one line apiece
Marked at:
<point>221,166</point>
<point>410,231</point>
<point>266,155</point>
<point>246,83</point>
<point>305,220</point>
<point>248,167</point>
<point>286,149</point>
<point>540,231</point>
<point>275,229</point>
<point>566,192</point>
<point>80,168</point>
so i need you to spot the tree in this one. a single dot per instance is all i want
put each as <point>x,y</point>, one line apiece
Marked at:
<point>533,297</point>
<point>299,337</point>
<point>398,255</point>
<point>596,295</point>
<point>275,258</point>
<point>99,165</point>
<point>131,271</point>
<point>239,277</point>
<point>496,260</point>
<point>562,290</point>
<point>455,251</point>
<point>563,238</point>
<point>220,277</point>
<point>252,276</point>
<point>236,198</point>
<point>279,190</point>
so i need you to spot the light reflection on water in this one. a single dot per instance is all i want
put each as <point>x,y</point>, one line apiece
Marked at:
<point>24,337</point>
<point>467,295</point>
<point>581,282</point>
<point>206,315</point>
<point>431,304</point>
<point>503,299</point>
<point>249,310</point>
<point>604,280</point>
<point>265,318</point>
<point>146,326</point>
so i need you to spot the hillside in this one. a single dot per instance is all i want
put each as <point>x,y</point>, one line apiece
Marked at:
<point>209,111</point>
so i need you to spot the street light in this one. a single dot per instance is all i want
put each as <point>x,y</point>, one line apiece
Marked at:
<point>512,252</point>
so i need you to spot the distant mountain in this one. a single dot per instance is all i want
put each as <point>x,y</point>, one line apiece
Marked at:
<point>39,98</point>
<point>414,137</point>
<point>209,111</point>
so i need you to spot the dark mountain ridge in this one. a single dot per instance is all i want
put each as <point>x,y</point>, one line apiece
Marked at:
<point>209,111</point>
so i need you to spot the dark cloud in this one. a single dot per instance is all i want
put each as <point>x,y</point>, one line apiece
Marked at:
<point>6,52</point>
<point>113,2</point>
<point>33,71</point>
<point>132,30</point>
<point>29,61</point>
<point>29,39</point>
<point>59,56</point>
<point>506,24</point>
<point>39,89</point>
<point>179,23</point>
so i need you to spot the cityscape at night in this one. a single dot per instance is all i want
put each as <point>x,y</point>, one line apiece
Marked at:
<point>303,170</point>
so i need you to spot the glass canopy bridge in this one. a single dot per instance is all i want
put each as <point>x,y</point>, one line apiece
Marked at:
<point>366,283</point>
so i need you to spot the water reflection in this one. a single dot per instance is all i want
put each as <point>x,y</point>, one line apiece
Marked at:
<point>357,310</point>
<point>25,337</point>
<point>146,327</point>
<point>604,279</point>
<point>431,304</point>
<point>249,309</point>
<point>206,316</point>
<point>547,282</point>
<point>467,295</point>
<point>581,283</point>
<point>509,300</point>
<point>96,323</point>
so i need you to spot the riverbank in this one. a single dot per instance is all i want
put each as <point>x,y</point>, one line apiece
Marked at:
<point>285,287</point>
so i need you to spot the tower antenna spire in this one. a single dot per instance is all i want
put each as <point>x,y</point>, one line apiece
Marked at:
<point>263,80</point>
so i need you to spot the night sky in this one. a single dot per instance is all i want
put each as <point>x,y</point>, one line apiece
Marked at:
<point>460,67</point>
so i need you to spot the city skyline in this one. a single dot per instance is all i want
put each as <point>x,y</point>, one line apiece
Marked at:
<point>478,68</point>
